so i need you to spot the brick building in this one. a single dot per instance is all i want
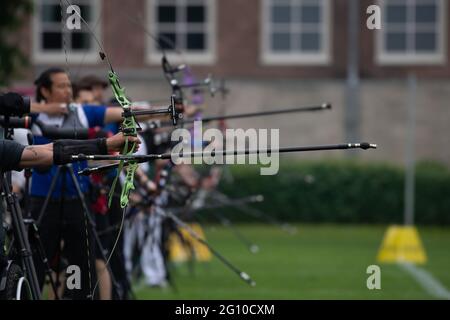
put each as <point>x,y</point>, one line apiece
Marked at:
<point>274,54</point>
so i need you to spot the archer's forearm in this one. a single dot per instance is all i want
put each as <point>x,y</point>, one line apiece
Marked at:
<point>37,156</point>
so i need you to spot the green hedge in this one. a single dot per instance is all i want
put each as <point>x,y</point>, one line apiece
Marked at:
<point>342,191</point>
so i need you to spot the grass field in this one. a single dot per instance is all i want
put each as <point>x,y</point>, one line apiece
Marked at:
<point>318,262</point>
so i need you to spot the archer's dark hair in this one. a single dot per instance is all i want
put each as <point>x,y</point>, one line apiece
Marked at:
<point>45,81</point>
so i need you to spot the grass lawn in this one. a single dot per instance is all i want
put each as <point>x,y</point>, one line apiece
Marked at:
<point>318,262</point>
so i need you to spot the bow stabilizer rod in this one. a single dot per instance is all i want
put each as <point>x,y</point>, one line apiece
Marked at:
<point>151,157</point>
<point>321,107</point>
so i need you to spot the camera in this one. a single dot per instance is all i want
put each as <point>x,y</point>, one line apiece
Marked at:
<point>13,104</point>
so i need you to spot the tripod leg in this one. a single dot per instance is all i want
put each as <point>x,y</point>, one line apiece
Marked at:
<point>40,248</point>
<point>21,235</point>
<point>49,194</point>
<point>91,223</point>
<point>59,252</point>
<point>44,260</point>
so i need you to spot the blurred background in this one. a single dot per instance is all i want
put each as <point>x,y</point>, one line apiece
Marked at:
<point>388,86</point>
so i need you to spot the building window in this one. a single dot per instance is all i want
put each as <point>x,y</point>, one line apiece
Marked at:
<point>413,32</point>
<point>296,31</point>
<point>50,34</point>
<point>186,26</point>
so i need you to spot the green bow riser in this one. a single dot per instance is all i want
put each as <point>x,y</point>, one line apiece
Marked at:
<point>129,127</point>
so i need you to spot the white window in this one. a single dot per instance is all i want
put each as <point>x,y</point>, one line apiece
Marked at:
<point>186,26</point>
<point>296,32</point>
<point>413,32</point>
<point>50,34</point>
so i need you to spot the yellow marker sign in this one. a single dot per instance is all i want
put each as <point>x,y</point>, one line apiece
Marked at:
<point>402,244</point>
<point>181,252</point>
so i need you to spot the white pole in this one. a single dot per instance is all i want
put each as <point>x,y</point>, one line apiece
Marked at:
<point>410,151</point>
<point>352,106</point>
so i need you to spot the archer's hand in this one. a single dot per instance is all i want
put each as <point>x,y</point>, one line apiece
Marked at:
<point>117,142</point>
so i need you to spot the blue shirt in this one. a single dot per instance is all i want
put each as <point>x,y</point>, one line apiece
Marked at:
<point>41,181</point>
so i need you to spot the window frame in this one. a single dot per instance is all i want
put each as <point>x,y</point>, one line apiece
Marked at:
<point>385,58</point>
<point>268,57</point>
<point>53,56</point>
<point>153,56</point>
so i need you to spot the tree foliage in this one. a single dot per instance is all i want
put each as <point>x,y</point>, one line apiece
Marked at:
<point>13,13</point>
